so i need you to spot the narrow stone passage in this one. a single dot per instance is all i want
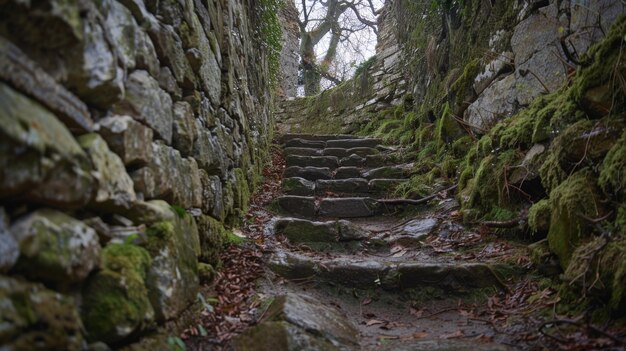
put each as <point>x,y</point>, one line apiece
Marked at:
<point>350,272</point>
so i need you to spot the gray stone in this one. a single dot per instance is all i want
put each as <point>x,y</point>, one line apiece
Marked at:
<point>302,151</point>
<point>185,129</point>
<point>129,139</point>
<point>9,251</point>
<point>209,71</point>
<point>388,172</point>
<point>533,34</point>
<point>347,172</point>
<point>363,151</point>
<point>342,186</point>
<point>352,143</point>
<point>298,186</point>
<point>151,212</point>
<point>348,207</point>
<point>145,54</point>
<point>172,279</point>
<point>308,173</point>
<point>352,161</point>
<point>298,205</point>
<point>25,75</point>
<point>39,159</point>
<point>55,247</point>
<point>313,161</point>
<point>589,21</point>
<point>299,322</point>
<point>497,102</point>
<point>335,151</point>
<point>144,182</point>
<point>542,73</point>
<point>301,230</point>
<point>501,64</point>
<point>170,52</point>
<point>413,232</point>
<point>167,82</point>
<point>313,144</point>
<point>213,194</point>
<point>114,187</point>
<point>35,318</point>
<point>93,72</point>
<point>349,231</point>
<point>209,153</point>
<point>121,28</point>
<point>148,103</point>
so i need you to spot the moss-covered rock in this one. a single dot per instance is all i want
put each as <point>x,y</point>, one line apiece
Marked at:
<point>576,197</point>
<point>55,247</point>
<point>213,236</point>
<point>613,170</point>
<point>173,275</point>
<point>539,216</point>
<point>116,306</point>
<point>598,267</point>
<point>35,318</point>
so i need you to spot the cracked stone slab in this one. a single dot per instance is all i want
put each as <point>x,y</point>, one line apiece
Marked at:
<point>346,186</point>
<point>302,151</point>
<point>301,143</point>
<point>298,186</point>
<point>298,205</point>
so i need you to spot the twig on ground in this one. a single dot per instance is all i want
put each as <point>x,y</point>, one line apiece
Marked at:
<point>416,201</point>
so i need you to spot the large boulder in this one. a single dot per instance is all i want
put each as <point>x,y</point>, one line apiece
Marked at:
<point>39,159</point>
<point>55,247</point>
<point>35,318</point>
<point>116,306</point>
<point>114,187</point>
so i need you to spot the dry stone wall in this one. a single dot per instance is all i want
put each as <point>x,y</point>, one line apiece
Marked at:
<point>131,135</point>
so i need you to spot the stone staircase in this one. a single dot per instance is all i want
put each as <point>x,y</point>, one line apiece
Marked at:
<point>341,245</point>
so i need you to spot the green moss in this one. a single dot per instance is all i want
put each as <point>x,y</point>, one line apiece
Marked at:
<point>613,170</point>
<point>463,87</point>
<point>206,273</point>
<point>159,235</point>
<point>213,237</point>
<point>447,128</point>
<point>233,239</point>
<point>241,193</point>
<point>539,216</point>
<point>577,196</point>
<point>180,211</point>
<point>462,145</point>
<point>598,85</point>
<point>115,300</point>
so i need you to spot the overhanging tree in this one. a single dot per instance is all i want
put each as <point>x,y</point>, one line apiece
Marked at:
<point>335,22</point>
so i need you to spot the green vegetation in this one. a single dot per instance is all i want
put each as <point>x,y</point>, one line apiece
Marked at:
<point>271,35</point>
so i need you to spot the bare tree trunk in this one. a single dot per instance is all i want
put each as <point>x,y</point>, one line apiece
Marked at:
<point>311,74</point>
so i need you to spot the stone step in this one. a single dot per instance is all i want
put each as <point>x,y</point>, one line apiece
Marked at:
<point>387,273</point>
<point>352,143</point>
<point>343,152</point>
<point>347,207</point>
<point>309,173</point>
<point>298,230</point>
<point>344,172</point>
<point>334,143</point>
<point>352,186</point>
<point>331,162</point>
<point>316,137</point>
<point>303,151</point>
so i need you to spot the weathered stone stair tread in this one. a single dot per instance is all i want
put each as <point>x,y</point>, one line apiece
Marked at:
<point>348,186</point>
<point>298,230</point>
<point>331,162</point>
<point>444,345</point>
<point>352,143</point>
<point>346,207</point>
<point>387,273</point>
<point>309,173</point>
<point>344,172</point>
<point>317,137</point>
<point>334,143</point>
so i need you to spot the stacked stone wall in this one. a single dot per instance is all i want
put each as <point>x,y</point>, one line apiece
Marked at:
<point>132,133</point>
